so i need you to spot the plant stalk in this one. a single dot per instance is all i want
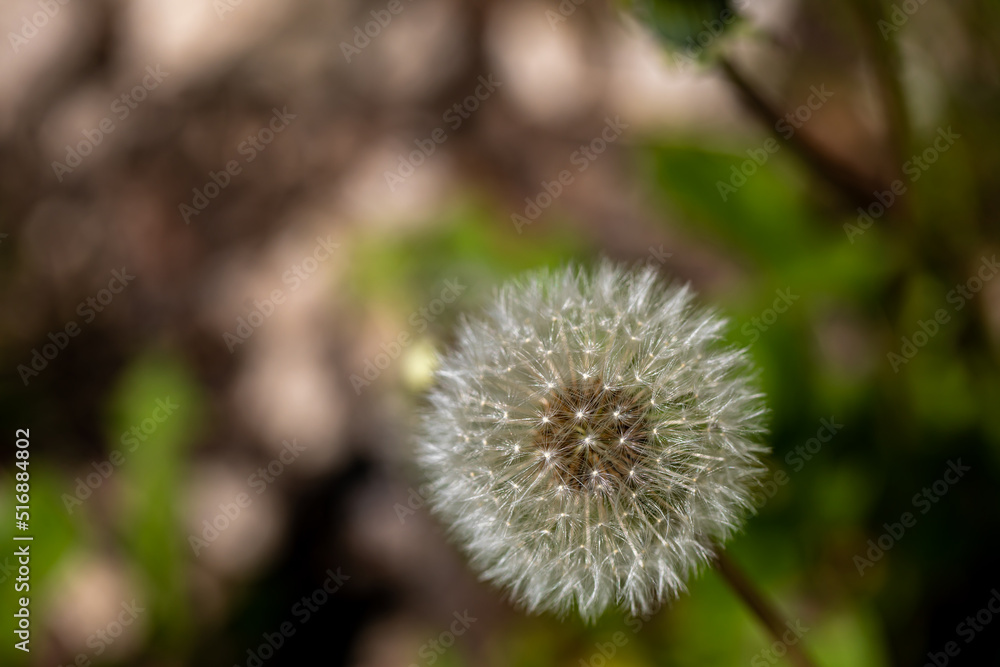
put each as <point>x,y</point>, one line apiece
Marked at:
<point>766,612</point>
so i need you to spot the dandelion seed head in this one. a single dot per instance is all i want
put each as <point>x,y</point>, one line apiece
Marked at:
<point>637,429</point>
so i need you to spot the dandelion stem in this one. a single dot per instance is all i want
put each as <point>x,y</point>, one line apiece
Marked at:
<point>844,177</point>
<point>766,612</point>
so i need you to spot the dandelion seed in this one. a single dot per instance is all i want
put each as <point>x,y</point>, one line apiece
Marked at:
<point>641,489</point>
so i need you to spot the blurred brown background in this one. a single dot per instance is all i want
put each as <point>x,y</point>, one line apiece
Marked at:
<point>219,219</point>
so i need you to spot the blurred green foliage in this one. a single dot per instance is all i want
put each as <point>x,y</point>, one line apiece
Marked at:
<point>144,503</point>
<point>688,27</point>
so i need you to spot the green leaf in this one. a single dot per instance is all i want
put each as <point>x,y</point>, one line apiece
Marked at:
<point>155,412</point>
<point>687,26</point>
<point>762,214</point>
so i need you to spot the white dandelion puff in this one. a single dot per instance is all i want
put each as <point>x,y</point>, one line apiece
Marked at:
<point>591,438</point>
